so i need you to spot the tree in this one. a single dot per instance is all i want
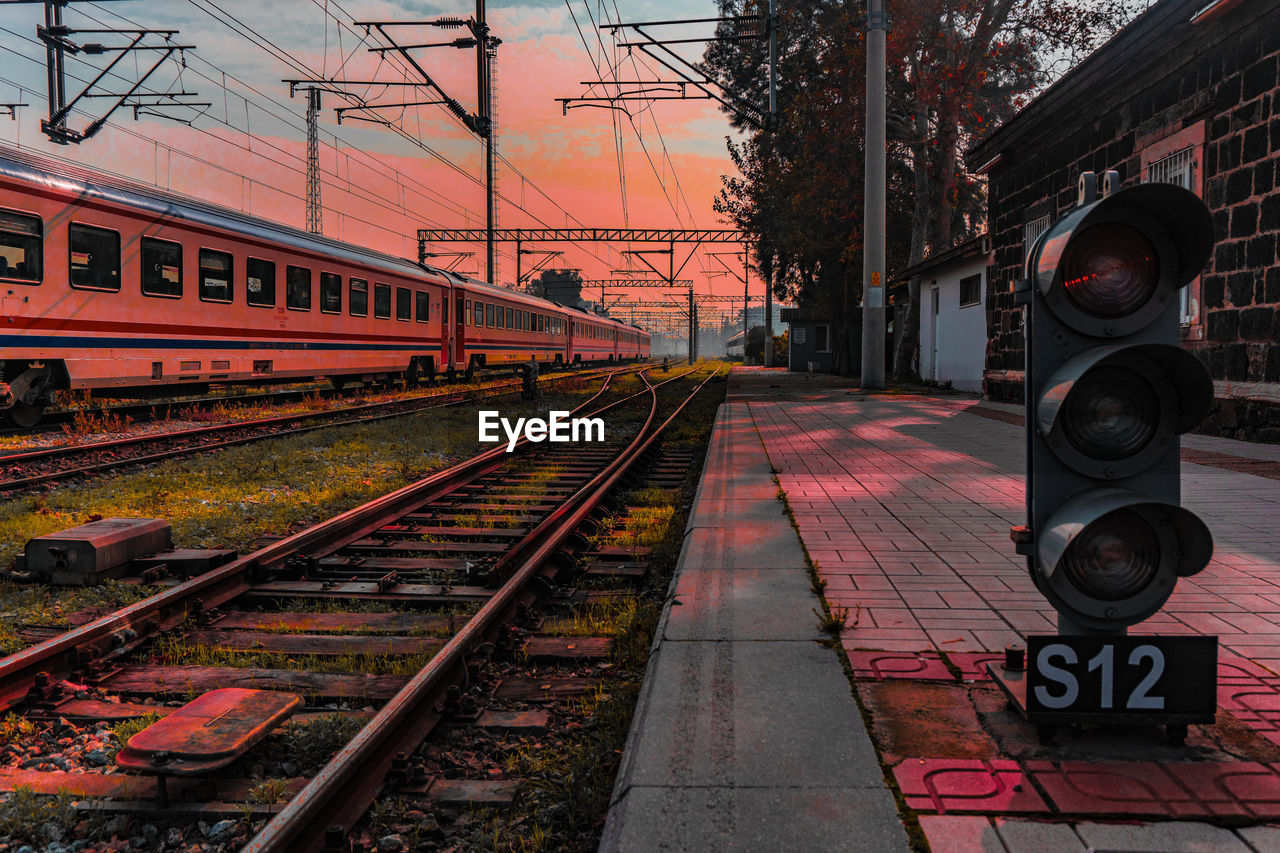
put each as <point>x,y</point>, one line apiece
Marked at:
<point>563,286</point>
<point>956,68</point>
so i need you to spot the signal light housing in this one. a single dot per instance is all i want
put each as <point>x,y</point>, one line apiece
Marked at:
<point>1108,392</point>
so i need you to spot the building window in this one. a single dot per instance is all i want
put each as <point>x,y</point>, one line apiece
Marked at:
<point>1178,158</point>
<point>970,290</point>
<point>822,338</point>
<point>404,303</point>
<point>297,288</point>
<point>95,257</point>
<point>161,268</point>
<point>381,301</point>
<point>215,276</point>
<point>260,282</point>
<point>330,292</point>
<point>359,293</point>
<point>1177,168</point>
<point>1031,232</point>
<point>21,247</point>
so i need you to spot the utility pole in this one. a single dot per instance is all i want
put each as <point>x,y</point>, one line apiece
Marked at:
<point>481,32</point>
<point>773,125</point>
<point>313,162</point>
<point>874,201</point>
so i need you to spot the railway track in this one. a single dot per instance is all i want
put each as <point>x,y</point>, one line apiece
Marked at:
<point>166,409</point>
<point>455,565</point>
<point>27,469</point>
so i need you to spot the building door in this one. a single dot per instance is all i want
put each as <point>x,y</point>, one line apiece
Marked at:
<point>933,336</point>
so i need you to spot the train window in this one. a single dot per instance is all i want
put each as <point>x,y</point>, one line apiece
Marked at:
<point>499,317</point>
<point>95,257</point>
<point>359,302</point>
<point>404,303</point>
<point>21,247</point>
<point>381,300</point>
<point>161,268</point>
<point>488,315</point>
<point>423,306</point>
<point>297,288</point>
<point>479,313</point>
<point>444,310</point>
<point>260,282</point>
<point>330,292</point>
<point>467,313</point>
<point>215,276</point>
<point>510,317</point>
<point>519,320</point>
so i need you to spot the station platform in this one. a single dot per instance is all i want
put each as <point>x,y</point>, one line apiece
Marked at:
<point>753,732</point>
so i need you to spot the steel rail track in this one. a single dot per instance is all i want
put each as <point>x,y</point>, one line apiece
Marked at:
<point>336,797</point>
<point>402,408</point>
<point>165,407</point>
<point>128,628</point>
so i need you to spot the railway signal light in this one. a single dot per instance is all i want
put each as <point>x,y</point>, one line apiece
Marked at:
<point>1108,393</point>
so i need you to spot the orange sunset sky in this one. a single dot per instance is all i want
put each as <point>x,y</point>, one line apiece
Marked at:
<point>247,149</point>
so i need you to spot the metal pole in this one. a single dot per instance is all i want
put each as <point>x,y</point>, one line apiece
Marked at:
<point>486,116</point>
<point>314,211</point>
<point>53,61</point>
<point>746,294</point>
<point>874,201</point>
<point>691,321</point>
<point>519,276</point>
<point>768,320</point>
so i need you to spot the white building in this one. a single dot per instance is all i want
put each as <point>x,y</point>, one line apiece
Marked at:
<point>953,314</point>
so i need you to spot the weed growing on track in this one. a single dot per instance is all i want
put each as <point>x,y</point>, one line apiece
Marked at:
<point>29,604</point>
<point>176,651</point>
<point>310,745</point>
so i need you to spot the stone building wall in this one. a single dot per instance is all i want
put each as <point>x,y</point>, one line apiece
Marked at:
<point>1213,85</point>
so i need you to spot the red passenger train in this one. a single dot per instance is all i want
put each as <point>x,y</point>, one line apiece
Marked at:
<point>128,290</point>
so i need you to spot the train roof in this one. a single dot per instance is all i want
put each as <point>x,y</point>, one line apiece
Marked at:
<point>70,177</point>
<point>61,174</point>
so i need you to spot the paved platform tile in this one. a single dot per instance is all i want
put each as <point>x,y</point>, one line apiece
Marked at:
<point>921,666</point>
<point>1171,837</point>
<point>767,820</point>
<point>973,665</point>
<point>967,785</point>
<point>1178,790</point>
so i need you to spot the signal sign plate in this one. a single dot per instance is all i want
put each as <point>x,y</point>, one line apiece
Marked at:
<point>1169,679</point>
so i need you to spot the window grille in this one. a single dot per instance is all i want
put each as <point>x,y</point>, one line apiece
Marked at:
<point>1177,168</point>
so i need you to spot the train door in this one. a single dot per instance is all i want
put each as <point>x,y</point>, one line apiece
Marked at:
<point>459,325</point>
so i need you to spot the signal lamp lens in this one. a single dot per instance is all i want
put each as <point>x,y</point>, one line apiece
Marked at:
<point>1111,413</point>
<point>1110,270</point>
<point>1114,558</point>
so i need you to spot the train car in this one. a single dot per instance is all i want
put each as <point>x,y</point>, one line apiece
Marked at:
<point>130,291</point>
<point>503,326</point>
<point>126,290</point>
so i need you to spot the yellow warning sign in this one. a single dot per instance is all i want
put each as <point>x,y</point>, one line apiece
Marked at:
<point>875,279</point>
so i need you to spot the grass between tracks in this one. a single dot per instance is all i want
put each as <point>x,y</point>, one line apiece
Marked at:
<point>230,498</point>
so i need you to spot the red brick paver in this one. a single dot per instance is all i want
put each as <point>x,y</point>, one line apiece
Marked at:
<point>967,785</point>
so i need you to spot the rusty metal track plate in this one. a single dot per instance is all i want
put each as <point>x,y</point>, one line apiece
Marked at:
<point>208,732</point>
